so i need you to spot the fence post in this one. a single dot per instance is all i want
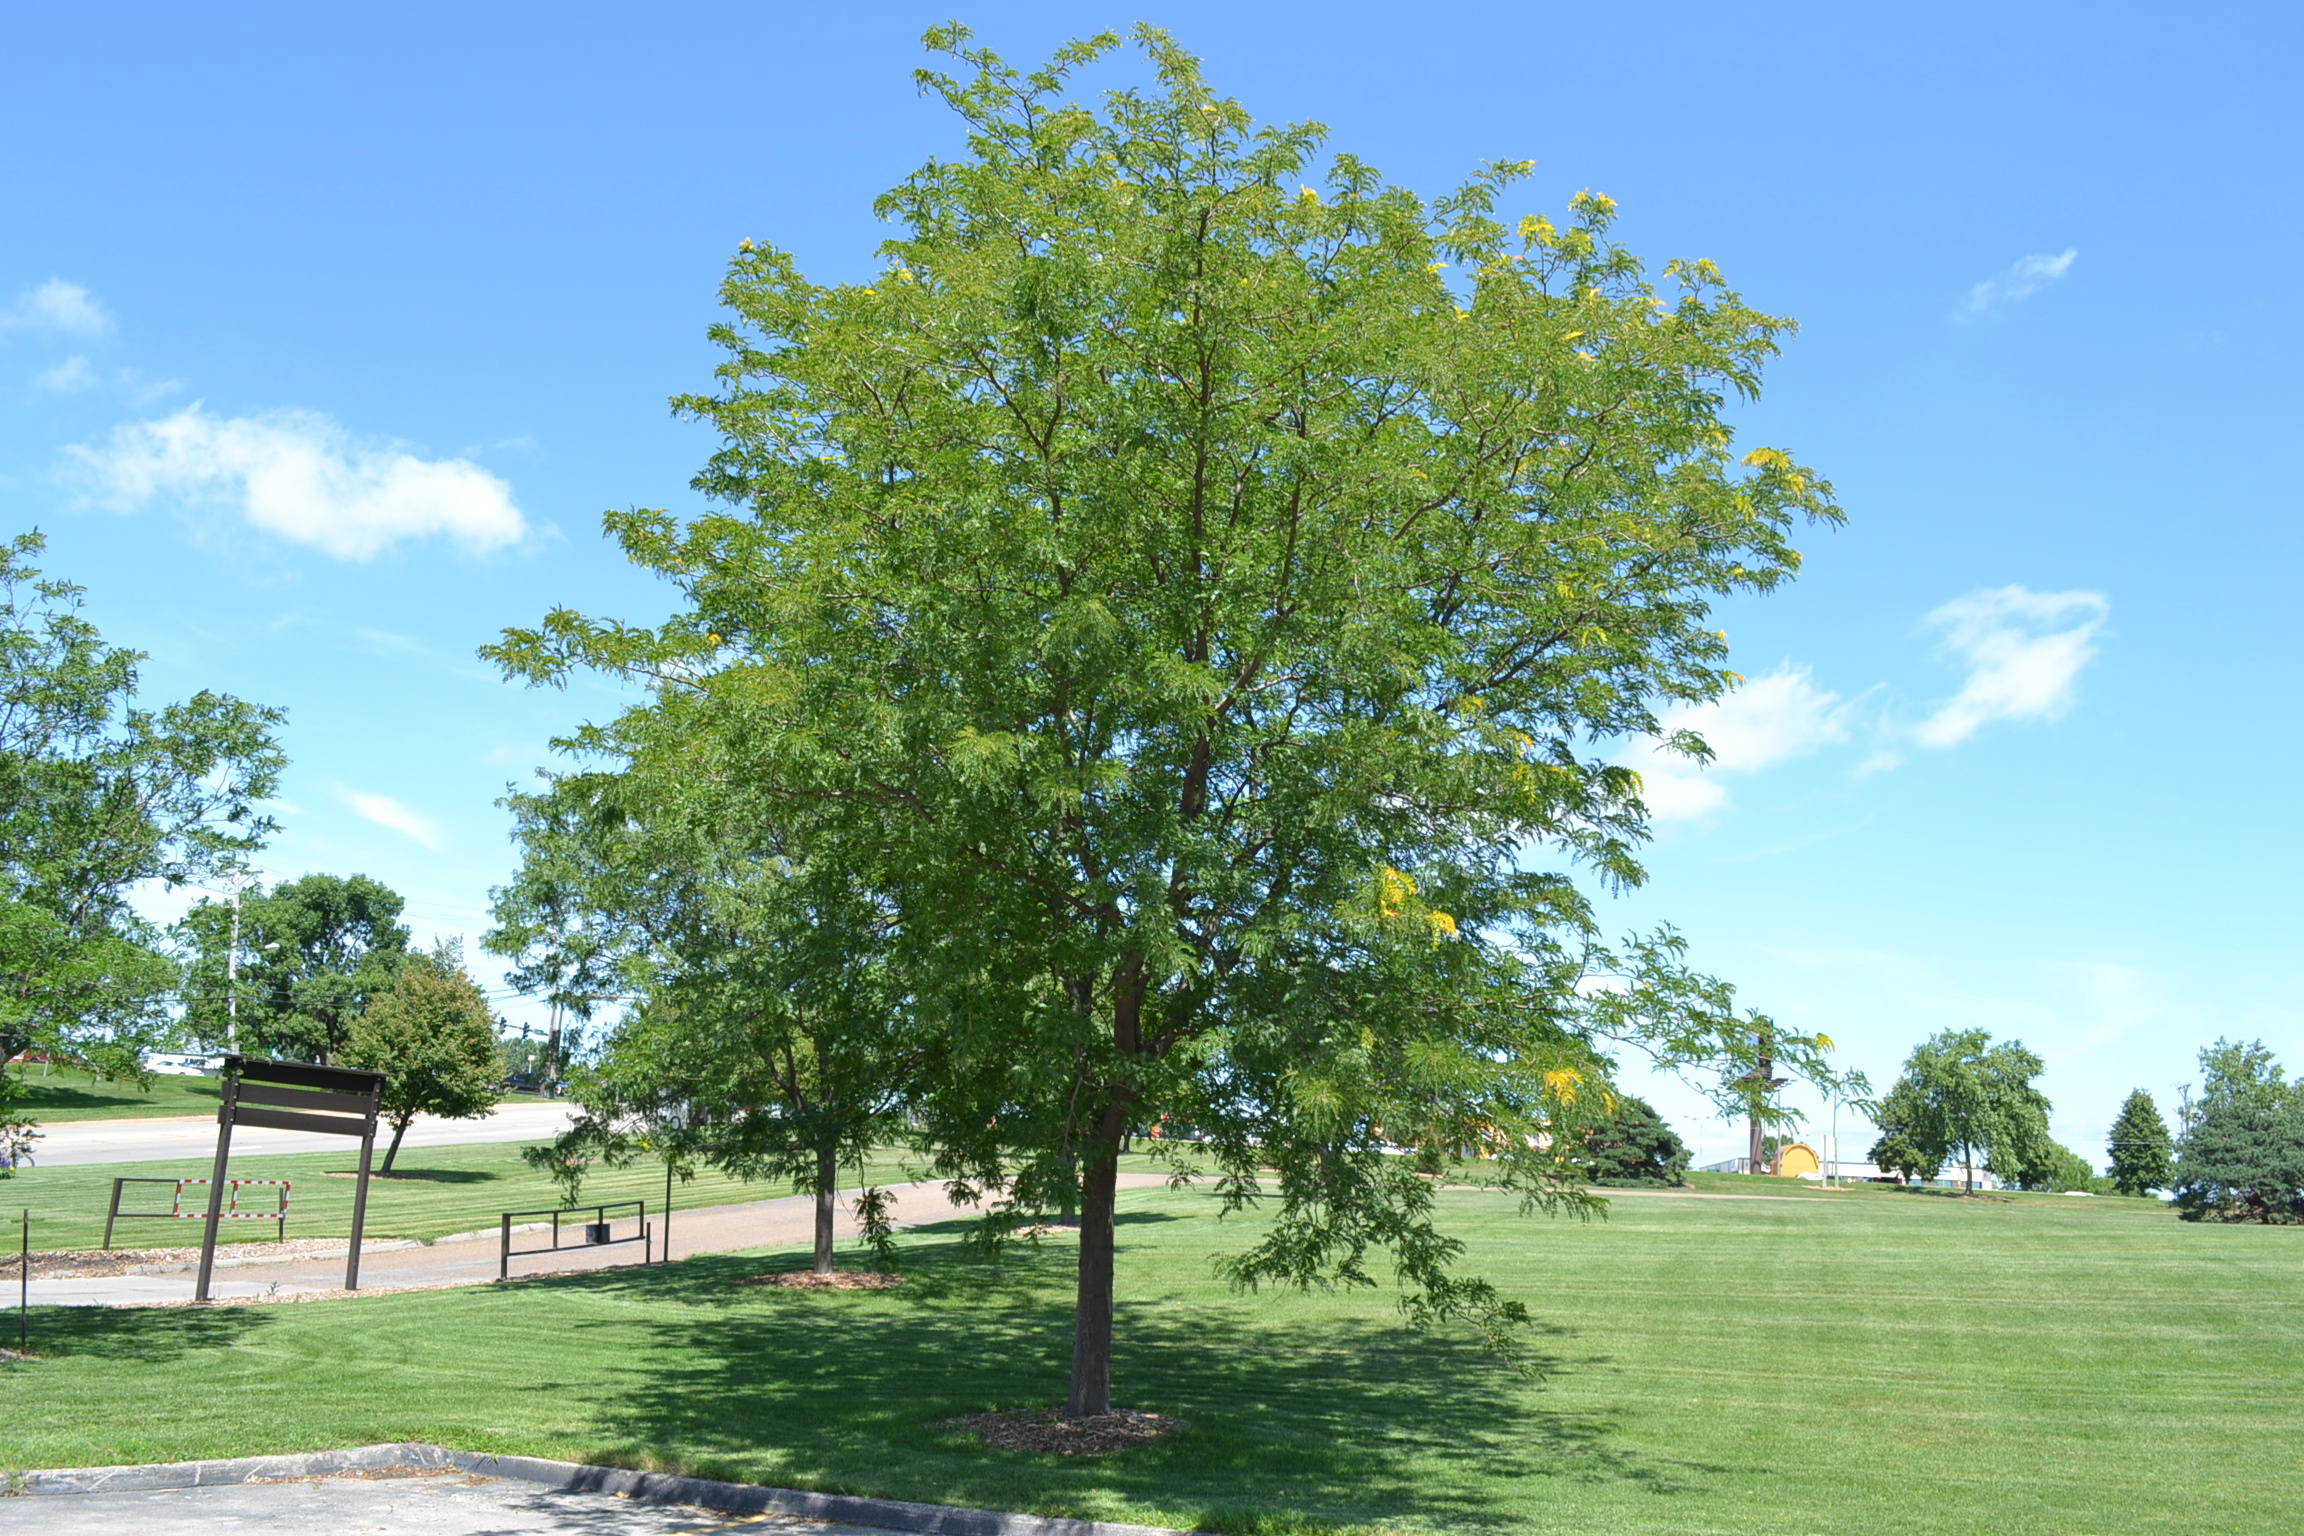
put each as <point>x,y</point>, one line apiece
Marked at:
<point>113,1214</point>
<point>504,1253</point>
<point>24,1292</point>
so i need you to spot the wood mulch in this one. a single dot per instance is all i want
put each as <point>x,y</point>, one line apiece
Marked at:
<point>1046,1430</point>
<point>838,1280</point>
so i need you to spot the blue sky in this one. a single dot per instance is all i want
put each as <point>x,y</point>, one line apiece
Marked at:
<point>326,335</point>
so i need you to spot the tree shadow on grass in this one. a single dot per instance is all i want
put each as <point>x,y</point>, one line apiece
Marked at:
<point>150,1334</point>
<point>1310,1415</point>
<point>422,1175</point>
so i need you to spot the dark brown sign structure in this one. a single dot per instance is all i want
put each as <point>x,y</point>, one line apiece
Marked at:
<point>290,1096</point>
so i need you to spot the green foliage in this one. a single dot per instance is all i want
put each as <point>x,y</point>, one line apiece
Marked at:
<point>764,1035</point>
<point>429,1031</point>
<point>1633,1145</point>
<point>2141,1149</point>
<point>97,796</point>
<point>2242,1158</point>
<point>1960,1093</point>
<point>1184,600</point>
<point>313,953</point>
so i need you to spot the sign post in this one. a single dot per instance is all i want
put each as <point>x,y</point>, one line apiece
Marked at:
<point>291,1096</point>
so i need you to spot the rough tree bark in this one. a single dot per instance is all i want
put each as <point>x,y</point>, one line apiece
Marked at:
<point>1092,1318</point>
<point>827,1180</point>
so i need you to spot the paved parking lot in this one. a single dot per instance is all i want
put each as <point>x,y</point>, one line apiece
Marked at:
<point>412,1503</point>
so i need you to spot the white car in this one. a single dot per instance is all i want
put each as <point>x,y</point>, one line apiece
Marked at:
<point>168,1064</point>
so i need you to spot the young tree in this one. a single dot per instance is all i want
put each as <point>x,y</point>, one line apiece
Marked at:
<point>1205,608</point>
<point>430,1033</point>
<point>2141,1149</point>
<point>1634,1146</point>
<point>766,1037</point>
<point>97,796</point>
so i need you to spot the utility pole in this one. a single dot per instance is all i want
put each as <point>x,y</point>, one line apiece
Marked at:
<point>232,975</point>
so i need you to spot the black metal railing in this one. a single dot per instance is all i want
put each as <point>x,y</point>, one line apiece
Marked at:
<point>598,1232</point>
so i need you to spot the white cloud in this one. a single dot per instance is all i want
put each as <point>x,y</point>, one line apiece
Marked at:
<point>1765,721</point>
<point>301,476</point>
<point>387,812</point>
<point>68,377</point>
<point>2022,280</point>
<point>57,306</point>
<point>2024,651</point>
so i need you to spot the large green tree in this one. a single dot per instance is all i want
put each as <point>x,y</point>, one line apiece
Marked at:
<point>1963,1098</point>
<point>314,951</point>
<point>428,1030</point>
<point>2241,1157</point>
<point>1209,606</point>
<point>2140,1147</point>
<point>99,795</point>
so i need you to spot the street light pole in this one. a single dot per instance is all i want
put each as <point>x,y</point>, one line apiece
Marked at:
<point>232,976</point>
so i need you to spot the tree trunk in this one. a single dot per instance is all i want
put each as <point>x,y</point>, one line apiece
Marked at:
<point>827,1180</point>
<point>1092,1318</point>
<point>399,1129</point>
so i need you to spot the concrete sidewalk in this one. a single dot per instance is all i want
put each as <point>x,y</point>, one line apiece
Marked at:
<point>472,1259</point>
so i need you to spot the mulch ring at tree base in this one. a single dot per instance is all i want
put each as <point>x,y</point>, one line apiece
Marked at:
<point>1047,1430</point>
<point>838,1280</point>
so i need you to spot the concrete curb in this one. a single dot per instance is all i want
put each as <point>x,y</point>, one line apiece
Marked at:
<point>650,1487</point>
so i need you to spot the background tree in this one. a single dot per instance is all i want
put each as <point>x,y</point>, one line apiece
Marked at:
<point>429,1031</point>
<point>766,1037</point>
<point>1904,1148</point>
<point>2140,1147</point>
<point>1961,1094</point>
<point>2242,1157</point>
<point>314,952</point>
<point>97,796</point>
<point>1191,598</point>
<point>1633,1145</point>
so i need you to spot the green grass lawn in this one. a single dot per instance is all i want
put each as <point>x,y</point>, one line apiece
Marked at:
<point>434,1191</point>
<point>68,1094</point>
<point>1855,1365</point>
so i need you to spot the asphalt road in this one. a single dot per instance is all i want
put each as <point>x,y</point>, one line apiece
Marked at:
<point>150,1141</point>
<point>437,1504</point>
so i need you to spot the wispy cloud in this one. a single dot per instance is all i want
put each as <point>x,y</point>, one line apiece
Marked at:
<point>1765,721</point>
<point>2022,280</point>
<point>388,812</point>
<point>68,377</point>
<point>2024,651</point>
<point>299,475</point>
<point>56,306</point>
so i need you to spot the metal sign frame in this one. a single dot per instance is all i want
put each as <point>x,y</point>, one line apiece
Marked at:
<point>292,1096</point>
<point>176,1211</point>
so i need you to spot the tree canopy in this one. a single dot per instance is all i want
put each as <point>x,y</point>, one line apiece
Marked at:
<point>1203,608</point>
<point>314,952</point>
<point>2241,1157</point>
<point>1633,1145</point>
<point>1961,1094</point>
<point>2141,1149</point>
<point>430,1032</point>
<point>99,794</point>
